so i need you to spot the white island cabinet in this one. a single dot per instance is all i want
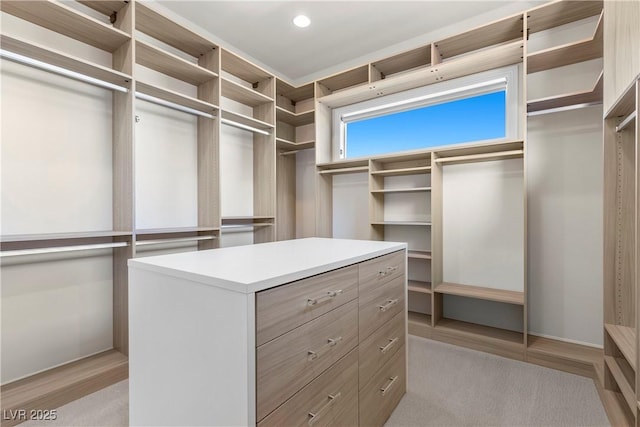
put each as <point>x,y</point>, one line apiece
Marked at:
<point>300,332</point>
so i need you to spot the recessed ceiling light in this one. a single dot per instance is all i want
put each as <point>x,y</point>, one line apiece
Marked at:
<point>301,21</point>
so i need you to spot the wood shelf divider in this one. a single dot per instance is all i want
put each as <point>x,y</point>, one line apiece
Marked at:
<point>480,292</point>
<point>625,339</point>
<point>418,286</point>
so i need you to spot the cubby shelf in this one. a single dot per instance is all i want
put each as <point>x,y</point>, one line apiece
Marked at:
<point>355,77</point>
<point>479,292</point>
<point>418,286</point>
<point>592,95</point>
<point>175,97</point>
<point>58,17</point>
<point>171,65</point>
<point>412,59</point>
<point>415,254</point>
<point>65,383</point>
<point>245,120</point>
<point>60,59</point>
<point>403,171</point>
<point>160,27</point>
<point>294,119</point>
<point>287,145</point>
<point>243,94</point>
<point>625,339</point>
<point>567,54</point>
<point>617,369</point>
<point>402,190</point>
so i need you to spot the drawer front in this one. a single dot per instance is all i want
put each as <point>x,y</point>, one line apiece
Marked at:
<point>281,309</point>
<point>330,399</point>
<point>381,270</point>
<point>289,362</point>
<point>379,305</point>
<point>380,396</point>
<point>380,347</point>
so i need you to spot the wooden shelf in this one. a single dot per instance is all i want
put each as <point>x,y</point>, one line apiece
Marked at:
<point>481,152</point>
<point>57,386</point>
<point>497,32</point>
<point>167,31</point>
<point>558,13</point>
<point>418,286</point>
<point>617,370</point>
<point>567,99</point>
<point>420,57</point>
<point>563,350</point>
<point>402,190</point>
<point>567,54</point>
<point>338,171</point>
<point>354,77</point>
<point>177,232</point>
<point>294,119</point>
<point>419,324</point>
<point>418,254</point>
<point>175,97</point>
<point>625,104</point>
<point>171,65</point>
<point>58,17</point>
<point>242,69</point>
<point>106,7</point>
<point>295,94</point>
<point>242,94</point>
<point>403,171</point>
<point>53,240</point>
<point>245,120</point>
<point>247,220</point>
<point>419,223</point>
<point>479,292</point>
<point>625,339</point>
<point>60,59</point>
<point>493,336</point>
<point>284,144</point>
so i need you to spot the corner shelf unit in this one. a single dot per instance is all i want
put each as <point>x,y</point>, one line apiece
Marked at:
<point>621,253</point>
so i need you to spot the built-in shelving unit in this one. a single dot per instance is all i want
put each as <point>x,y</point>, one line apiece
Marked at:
<point>621,251</point>
<point>558,102</point>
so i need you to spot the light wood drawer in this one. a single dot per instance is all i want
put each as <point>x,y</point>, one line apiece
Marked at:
<point>379,305</point>
<point>380,347</point>
<point>332,398</point>
<point>381,394</point>
<point>289,362</point>
<point>286,307</point>
<point>381,270</point>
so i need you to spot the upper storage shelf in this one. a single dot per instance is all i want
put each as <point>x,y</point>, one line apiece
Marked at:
<point>160,27</point>
<point>558,13</point>
<point>106,7</point>
<point>495,33</point>
<point>567,54</point>
<point>171,65</point>
<point>410,60</point>
<point>354,77</point>
<point>481,153</point>
<point>592,95</point>
<point>242,69</point>
<point>58,17</point>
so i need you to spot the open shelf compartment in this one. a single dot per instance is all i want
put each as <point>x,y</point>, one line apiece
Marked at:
<point>405,61</point>
<point>558,13</point>
<point>625,339</point>
<point>479,292</point>
<point>590,96</point>
<point>167,63</point>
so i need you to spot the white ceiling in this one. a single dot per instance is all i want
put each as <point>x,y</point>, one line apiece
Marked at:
<point>342,34</point>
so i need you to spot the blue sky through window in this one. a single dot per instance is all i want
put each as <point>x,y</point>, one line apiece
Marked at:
<point>471,119</point>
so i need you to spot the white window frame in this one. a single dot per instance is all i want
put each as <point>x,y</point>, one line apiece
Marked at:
<point>506,78</point>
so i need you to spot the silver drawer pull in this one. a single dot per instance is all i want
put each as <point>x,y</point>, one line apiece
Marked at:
<point>330,294</point>
<point>386,348</point>
<point>390,303</point>
<point>386,272</point>
<point>315,416</point>
<point>386,389</point>
<point>331,342</point>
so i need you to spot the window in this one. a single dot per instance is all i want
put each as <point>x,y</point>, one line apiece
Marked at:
<point>482,107</point>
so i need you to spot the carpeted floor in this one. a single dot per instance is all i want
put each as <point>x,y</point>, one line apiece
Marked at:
<point>448,386</point>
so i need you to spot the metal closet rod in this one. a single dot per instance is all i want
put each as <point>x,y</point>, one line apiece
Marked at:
<point>59,70</point>
<point>173,105</point>
<point>567,108</point>
<point>623,124</point>
<point>41,251</point>
<point>243,126</point>
<point>176,240</point>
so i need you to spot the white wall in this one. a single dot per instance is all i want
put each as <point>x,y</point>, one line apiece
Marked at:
<point>351,206</point>
<point>305,194</point>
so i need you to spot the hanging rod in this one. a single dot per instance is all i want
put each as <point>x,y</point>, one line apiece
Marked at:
<point>22,252</point>
<point>289,153</point>
<point>176,240</point>
<point>240,227</point>
<point>173,105</point>
<point>59,70</point>
<point>623,124</point>
<point>243,126</point>
<point>567,108</point>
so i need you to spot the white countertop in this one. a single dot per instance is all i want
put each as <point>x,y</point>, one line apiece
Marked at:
<point>252,268</point>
